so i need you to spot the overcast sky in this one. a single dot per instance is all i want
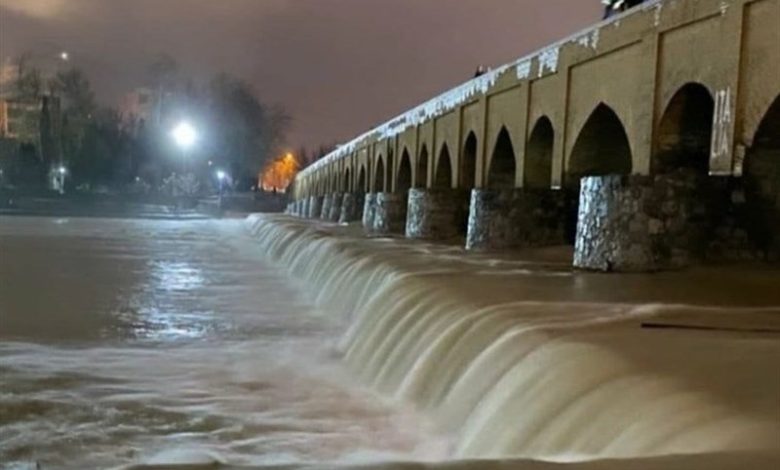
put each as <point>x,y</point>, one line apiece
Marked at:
<point>338,66</point>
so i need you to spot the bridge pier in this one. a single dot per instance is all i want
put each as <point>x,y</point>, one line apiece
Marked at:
<point>390,213</point>
<point>351,208</point>
<point>436,214</point>
<point>305,207</point>
<point>315,207</point>
<point>335,207</point>
<point>512,218</point>
<point>641,223</point>
<point>369,211</point>
<point>327,202</point>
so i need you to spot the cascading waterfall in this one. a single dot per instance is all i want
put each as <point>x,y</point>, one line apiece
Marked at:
<point>509,377</point>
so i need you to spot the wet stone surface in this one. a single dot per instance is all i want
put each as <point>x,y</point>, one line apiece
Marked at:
<point>351,208</point>
<point>327,203</point>
<point>639,223</point>
<point>515,218</point>
<point>369,211</point>
<point>335,207</point>
<point>315,207</point>
<point>436,214</point>
<point>390,213</point>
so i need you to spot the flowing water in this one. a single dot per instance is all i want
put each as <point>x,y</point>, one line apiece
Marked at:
<point>131,341</point>
<point>154,342</point>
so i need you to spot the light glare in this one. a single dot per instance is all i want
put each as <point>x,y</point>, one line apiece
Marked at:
<point>184,135</point>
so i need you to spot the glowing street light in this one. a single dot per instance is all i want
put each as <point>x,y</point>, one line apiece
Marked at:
<point>64,56</point>
<point>221,175</point>
<point>184,135</point>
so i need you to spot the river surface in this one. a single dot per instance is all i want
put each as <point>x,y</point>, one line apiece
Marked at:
<point>277,341</point>
<point>127,341</point>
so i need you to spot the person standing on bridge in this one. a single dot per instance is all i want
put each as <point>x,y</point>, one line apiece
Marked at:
<point>612,7</point>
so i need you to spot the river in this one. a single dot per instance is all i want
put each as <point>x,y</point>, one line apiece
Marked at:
<point>127,341</point>
<point>276,342</point>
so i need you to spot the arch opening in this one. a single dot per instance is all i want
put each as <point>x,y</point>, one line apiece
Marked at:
<point>404,173</point>
<point>468,165</point>
<point>421,181</point>
<point>685,131</point>
<point>602,148</point>
<point>443,169</point>
<point>379,176</point>
<point>762,184</point>
<point>537,172</point>
<point>503,167</point>
<point>361,185</point>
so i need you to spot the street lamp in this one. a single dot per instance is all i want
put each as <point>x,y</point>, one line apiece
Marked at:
<point>185,137</point>
<point>64,56</point>
<point>61,171</point>
<point>221,177</point>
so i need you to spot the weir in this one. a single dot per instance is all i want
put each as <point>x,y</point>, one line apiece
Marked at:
<point>517,358</point>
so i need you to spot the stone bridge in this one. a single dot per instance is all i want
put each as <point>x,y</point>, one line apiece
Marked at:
<point>649,141</point>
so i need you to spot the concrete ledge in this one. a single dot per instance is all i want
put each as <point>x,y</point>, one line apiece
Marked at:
<point>436,214</point>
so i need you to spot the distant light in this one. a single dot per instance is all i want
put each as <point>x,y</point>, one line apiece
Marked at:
<point>137,178</point>
<point>221,175</point>
<point>184,135</point>
<point>62,170</point>
<point>64,56</point>
<point>210,163</point>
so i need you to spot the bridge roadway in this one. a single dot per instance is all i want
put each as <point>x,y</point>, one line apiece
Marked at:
<point>649,141</point>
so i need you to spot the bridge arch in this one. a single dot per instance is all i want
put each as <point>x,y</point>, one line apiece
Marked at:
<point>762,183</point>
<point>503,166</point>
<point>601,148</point>
<point>361,184</point>
<point>685,131</point>
<point>443,177</point>
<point>468,162</point>
<point>421,181</point>
<point>379,175</point>
<point>347,181</point>
<point>404,173</point>
<point>537,167</point>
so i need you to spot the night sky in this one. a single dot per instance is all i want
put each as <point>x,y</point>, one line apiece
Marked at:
<point>338,66</point>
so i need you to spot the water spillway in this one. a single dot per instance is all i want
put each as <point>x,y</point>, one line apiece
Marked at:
<point>525,359</point>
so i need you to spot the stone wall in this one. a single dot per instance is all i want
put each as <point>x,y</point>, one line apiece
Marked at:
<point>305,203</point>
<point>515,218</point>
<point>351,208</point>
<point>640,223</point>
<point>390,213</point>
<point>335,207</point>
<point>436,214</point>
<point>327,202</point>
<point>369,211</point>
<point>315,207</point>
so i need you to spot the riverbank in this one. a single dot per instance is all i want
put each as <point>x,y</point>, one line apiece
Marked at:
<point>518,356</point>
